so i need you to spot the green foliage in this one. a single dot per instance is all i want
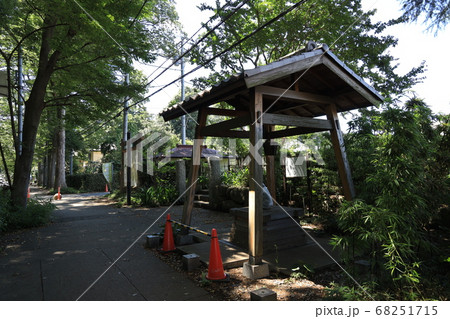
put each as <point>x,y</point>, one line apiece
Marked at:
<point>386,237</point>
<point>203,181</point>
<point>237,177</point>
<point>162,194</point>
<point>4,210</point>
<point>75,55</point>
<point>301,271</point>
<point>37,213</point>
<point>162,190</point>
<point>435,12</point>
<point>398,194</point>
<point>342,24</point>
<point>349,293</point>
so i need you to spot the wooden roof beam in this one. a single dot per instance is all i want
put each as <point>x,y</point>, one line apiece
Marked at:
<point>304,122</point>
<point>356,85</point>
<point>227,125</point>
<point>291,132</point>
<point>294,95</point>
<point>299,106</point>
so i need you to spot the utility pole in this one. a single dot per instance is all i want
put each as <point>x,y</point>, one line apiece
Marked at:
<point>124,135</point>
<point>128,172</point>
<point>20,98</point>
<point>183,118</point>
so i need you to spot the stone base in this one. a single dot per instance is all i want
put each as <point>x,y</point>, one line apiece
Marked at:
<point>255,271</point>
<point>181,240</point>
<point>279,230</point>
<point>191,262</point>
<point>153,241</point>
<point>263,294</point>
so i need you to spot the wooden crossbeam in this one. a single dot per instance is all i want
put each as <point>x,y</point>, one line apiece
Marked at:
<point>227,125</point>
<point>289,120</point>
<point>291,132</point>
<point>294,95</point>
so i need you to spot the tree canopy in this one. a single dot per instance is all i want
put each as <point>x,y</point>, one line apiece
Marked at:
<point>76,53</point>
<point>342,25</point>
<point>436,13</point>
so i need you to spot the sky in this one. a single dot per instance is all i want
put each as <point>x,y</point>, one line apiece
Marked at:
<point>415,45</point>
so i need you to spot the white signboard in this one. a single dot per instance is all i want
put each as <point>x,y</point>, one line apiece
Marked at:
<point>295,167</point>
<point>107,169</point>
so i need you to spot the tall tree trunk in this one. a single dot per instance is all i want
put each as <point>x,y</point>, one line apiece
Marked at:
<point>51,167</point>
<point>60,150</point>
<point>40,180</point>
<point>33,111</point>
<point>45,171</point>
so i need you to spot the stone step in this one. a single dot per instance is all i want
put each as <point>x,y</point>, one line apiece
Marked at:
<point>201,204</point>
<point>201,197</point>
<point>202,192</point>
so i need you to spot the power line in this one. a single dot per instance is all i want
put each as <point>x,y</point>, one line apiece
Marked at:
<point>271,21</point>
<point>169,67</point>
<point>294,6</point>
<point>198,41</point>
<point>202,38</point>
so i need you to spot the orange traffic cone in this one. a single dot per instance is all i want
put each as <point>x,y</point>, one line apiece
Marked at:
<point>215,268</point>
<point>28,194</point>
<point>168,242</point>
<point>106,188</point>
<point>59,193</point>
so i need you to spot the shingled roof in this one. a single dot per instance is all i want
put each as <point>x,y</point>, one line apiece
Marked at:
<point>318,73</point>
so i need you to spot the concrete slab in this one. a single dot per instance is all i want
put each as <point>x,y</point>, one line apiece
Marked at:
<point>155,280</point>
<point>232,257</point>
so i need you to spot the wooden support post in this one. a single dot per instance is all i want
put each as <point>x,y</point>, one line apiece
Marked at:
<point>255,208</point>
<point>339,151</point>
<point>195,166</point>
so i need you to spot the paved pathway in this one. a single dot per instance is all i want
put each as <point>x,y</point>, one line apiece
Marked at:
<point>60,261</point>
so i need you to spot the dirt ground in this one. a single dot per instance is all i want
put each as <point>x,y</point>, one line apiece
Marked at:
<point>238,287</point>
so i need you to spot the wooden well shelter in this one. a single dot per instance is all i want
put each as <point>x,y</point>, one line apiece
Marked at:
<point>301,93</point>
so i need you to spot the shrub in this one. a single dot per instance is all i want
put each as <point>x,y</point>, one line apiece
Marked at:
<point>37,213</point>
<point>389,224</point>
<point>87,182</point>
<point>94,183</point>
<point>75,181</point>
<point>237,177</point>
<point>4,209</point>
<point>161,194</point>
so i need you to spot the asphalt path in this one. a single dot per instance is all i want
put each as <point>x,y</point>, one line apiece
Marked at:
<point>91,251</point>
